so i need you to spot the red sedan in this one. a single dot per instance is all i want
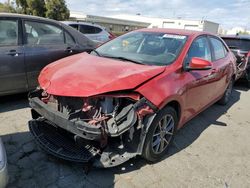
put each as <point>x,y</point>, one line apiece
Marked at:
<point>129,96</point>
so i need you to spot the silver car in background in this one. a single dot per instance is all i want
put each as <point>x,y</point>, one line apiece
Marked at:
<point>94,32</point>
<point>3,166</point>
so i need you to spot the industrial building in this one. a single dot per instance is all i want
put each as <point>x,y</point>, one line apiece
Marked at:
<point>197,25</point>
<point>120,24</point>
<point>116,26</point>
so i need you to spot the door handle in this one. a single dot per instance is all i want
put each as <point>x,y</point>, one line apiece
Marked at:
<point>13,53</point>
<point>69,50</point>
<point>214,71</point>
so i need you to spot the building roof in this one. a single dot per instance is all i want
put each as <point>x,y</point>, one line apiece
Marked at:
<point>94,18</point>
<point>140,18</point>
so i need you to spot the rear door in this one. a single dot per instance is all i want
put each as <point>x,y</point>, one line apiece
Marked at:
<point>44,44</point>
<point>221,66</point>
<point>12,68</point>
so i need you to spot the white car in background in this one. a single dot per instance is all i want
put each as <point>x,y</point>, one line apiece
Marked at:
<point>92,31</point>
<point>3,166</point>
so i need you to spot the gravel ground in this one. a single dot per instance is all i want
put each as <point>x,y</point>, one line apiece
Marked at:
<point>212,150</point>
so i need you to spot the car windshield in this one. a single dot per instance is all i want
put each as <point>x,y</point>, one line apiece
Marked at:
<point>242,44</point>
<point>148,48</point>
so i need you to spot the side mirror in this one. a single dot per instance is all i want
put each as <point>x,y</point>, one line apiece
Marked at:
<point>198,64</point>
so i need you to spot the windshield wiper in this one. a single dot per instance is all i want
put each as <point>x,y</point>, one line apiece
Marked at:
<point>97,53</point>
<point>125,59</point>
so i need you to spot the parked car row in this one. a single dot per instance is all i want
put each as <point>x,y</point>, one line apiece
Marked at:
<point>240,46</point>
<point>28,43</point>
<point>124,98</point>
<point>92,31</point>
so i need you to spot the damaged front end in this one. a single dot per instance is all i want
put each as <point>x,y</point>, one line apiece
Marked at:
<point>106,130</point>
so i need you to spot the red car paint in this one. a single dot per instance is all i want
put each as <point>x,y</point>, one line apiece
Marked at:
<point>200,63</point>
<point>86,75</point>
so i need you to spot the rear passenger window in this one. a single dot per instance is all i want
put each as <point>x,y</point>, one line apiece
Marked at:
<point>75,26</point>
<point>8,32</point>
<point>219,48</point>
<point>69,39</point>
<point>43,34</point>
<point>98,30</point>
<point>87,29</point>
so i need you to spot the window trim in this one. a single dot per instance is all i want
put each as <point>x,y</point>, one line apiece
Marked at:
<point>41,22</point>
<point>19,31</point>
<point>64,34</point>
<point>98,29</point>
<point>197,38</point>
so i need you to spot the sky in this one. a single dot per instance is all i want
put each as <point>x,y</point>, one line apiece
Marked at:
<point>228,13</point>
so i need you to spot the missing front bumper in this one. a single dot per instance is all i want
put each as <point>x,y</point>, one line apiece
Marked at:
<point>56,133</point>
<point>76,127</point>
<point>59,144</point>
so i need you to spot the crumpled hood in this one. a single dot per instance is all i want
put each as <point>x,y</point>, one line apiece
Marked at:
<point>85,75</point>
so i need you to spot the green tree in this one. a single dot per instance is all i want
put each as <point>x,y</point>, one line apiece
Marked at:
<point>36,7</point>
<point>22,6</point>
<point>7,7</point>
<point>32,7</point>
<point>57,9</point>
<point>244,33</point>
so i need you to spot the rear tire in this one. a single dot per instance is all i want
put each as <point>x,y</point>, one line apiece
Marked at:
<point>160,134</point>
<point>227,94</point>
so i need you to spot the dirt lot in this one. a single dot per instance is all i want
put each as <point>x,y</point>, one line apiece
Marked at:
<point>211,151</point>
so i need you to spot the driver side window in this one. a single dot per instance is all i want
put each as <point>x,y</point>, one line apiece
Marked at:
<point>37,33</point>
<point>200,48</point>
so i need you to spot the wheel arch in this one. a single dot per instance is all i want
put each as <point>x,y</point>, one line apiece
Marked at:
<point>176,106</point>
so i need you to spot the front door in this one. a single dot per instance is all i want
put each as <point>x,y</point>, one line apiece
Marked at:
<point>200,85</point>
<point>12,67</point>
<point>44,44</point>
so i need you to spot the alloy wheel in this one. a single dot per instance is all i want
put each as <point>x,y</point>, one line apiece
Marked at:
<point>163,134</point>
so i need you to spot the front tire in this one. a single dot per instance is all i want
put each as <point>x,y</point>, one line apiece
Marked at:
<point>160,134</point>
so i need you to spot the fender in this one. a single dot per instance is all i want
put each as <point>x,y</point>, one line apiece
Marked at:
<point>144,130</point>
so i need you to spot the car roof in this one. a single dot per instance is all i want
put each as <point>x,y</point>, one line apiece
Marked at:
<point>175,31</point>
<point>24,16</point>
<point>244,37</point>
<point>82,39</point>
<point>82,23</point>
